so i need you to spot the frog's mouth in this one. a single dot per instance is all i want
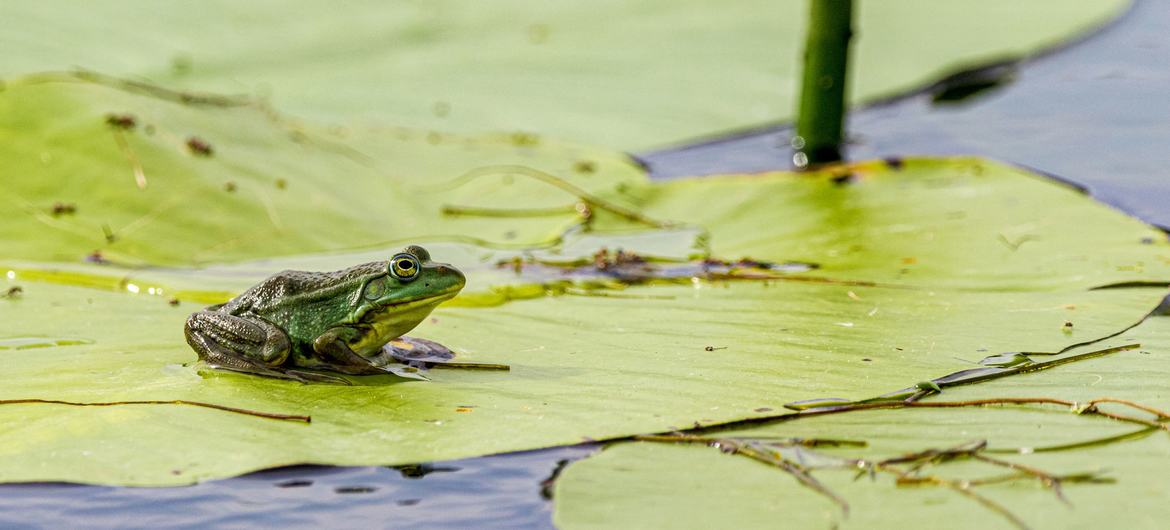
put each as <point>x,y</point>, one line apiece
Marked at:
<point>404,309</point>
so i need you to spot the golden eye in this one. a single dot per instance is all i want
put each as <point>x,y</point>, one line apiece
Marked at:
<point>405,267</point>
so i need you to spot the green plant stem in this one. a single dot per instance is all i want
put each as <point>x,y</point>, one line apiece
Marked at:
<point>821,113</point>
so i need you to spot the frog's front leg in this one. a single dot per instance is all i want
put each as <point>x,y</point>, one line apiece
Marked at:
<point>333,348</point>
<point>242,344</point>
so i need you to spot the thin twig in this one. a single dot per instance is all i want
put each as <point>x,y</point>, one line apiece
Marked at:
<point>739,447</point>
<point>470,366</point>
<point>509,212</point>
<point>247,412</point>
<point>1132,435</point>
<point>555,181</point>
<point>1162,415</point>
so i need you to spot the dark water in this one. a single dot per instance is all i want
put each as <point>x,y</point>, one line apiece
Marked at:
<point>1097,114</point>
<point>492,492</point>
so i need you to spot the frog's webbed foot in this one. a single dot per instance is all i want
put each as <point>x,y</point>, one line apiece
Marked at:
<point>337,356</point>
<point>417,352</point>
<point>250,345</point>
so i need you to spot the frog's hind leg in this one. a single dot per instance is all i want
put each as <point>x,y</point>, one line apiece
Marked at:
<point>241,344</point>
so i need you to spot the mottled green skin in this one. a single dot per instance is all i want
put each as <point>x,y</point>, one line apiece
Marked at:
<point>321,320</point>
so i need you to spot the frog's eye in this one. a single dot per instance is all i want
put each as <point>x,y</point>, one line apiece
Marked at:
<point>405,267</point>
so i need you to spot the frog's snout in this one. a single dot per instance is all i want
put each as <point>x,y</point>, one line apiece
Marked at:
<point>455,274</point>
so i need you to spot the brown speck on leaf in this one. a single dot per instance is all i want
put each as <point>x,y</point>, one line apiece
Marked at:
<point>909,261</point>
<point>763,409</point>
<point>848,178</point>
<point>13,292</point>
<point>176,471</point>
<point>713,348</point>
<point>584,166</point>
<point>96,257</point>
<point>63,208</point>
<point>1067,326</point>
<point>198,146</point>
<point>866,360</point>
<point>281,184</point>
<point>174,302</point>
<point>229,186</point>
<point>121,121</point>
<point>523,139</point>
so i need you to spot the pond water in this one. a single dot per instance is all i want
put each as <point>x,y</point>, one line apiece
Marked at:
<point>1094,113</point>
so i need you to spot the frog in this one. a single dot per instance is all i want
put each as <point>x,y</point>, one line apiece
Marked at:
<point>294,325</point>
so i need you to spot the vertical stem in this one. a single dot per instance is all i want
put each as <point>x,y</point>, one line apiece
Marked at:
<point>820,118</point>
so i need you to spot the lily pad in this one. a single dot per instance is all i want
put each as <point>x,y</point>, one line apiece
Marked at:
<point>140,193</point>
<point>905,291</point>
<point>587,71</point>
<point>655,485</point>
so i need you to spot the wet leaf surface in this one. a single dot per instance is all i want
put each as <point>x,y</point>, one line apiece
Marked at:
<point>657,485</point>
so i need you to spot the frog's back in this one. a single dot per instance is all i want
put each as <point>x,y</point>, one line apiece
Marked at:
<point>303,290</point>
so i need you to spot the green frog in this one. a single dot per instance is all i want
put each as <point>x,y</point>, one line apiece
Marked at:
<point>337,321</point>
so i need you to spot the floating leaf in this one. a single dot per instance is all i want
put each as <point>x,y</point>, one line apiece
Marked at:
<point>587,367</point>
<point>654,485</point>
<point>616,73</point>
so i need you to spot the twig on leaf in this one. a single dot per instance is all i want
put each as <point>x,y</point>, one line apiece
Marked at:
<point>225,408</point>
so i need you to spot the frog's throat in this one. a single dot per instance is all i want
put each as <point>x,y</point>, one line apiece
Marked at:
<point>392,321</point>
<point>405,306</point>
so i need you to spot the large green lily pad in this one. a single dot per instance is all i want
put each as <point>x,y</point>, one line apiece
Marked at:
<point>586,71</point>
<point>294,188</point>
<point>924,266</point>
<point>652,485</point>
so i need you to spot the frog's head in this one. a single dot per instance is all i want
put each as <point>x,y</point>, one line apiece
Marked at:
<point>411,287</point>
